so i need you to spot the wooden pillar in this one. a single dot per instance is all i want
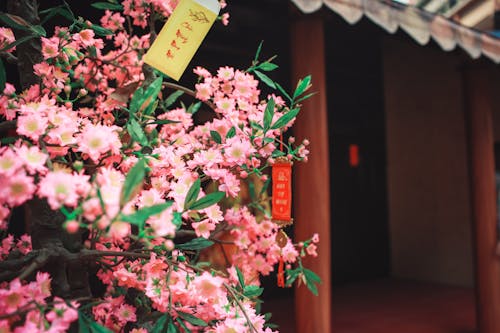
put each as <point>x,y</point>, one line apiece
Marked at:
<point>312,179</point>
<point>483,197</point>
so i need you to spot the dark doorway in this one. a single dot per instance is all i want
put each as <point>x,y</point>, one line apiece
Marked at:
<point>360,241</point>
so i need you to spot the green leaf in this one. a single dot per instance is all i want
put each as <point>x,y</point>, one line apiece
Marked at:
<point>302,86</point>
<point>39,30</point>
<point>160,324</point>
<point>100,31</point>
<point>171,328</point>
<point>267,66</point>
<point>281,90</point>
<point>17,42</point>
<point>3,76</point>
<point>193,108</point>
<point>192,194</point>
<point>266,79</point>
<point>231,133</point>
<point>139,217</point>
<point>98,328</point>
<point>264,188</point>
<point>251,189</point>
<point>310,275</point>
<point>59,10</point>
<point>83,326</point>
<point>150,95</point>
<point>137,100</point>
<point>177,220</point>
<point>291,276</point>
<point>303,98</point>
<point>257,54</point>
<point>134,178</point>
<point>241,278</point>
<point>184,327</point>
<point>285,119</point>
<point>136,132</point>
<point>15,21</point>
<point>268,114</point>
<point>107,5</point>
<point>163,122</point>
<point>173,98</point>
<point>208,200</point>
<point>192,319</point>
<point>252,291</point>
<point>311,279</point>
<point>195,244</point>
<point>278,153</point>
<point>216,137</point>
<point>87,325</point>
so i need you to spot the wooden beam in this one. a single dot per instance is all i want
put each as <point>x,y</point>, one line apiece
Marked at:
<point>312,179</point>
<point>483,197</point>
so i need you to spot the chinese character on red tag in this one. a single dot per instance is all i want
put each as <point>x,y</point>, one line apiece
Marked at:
<point>282,192</point>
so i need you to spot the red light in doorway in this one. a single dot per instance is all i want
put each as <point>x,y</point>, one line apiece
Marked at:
<point>353,155</point>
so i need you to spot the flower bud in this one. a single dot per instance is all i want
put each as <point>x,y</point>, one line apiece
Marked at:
<point>72,226</point>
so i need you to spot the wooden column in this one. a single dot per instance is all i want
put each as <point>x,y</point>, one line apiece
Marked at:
<point>483,198</point>
<point>312,179</point>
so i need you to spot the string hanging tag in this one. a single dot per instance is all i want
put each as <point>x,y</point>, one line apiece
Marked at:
<point>181,36</point>
<point>281,241</point>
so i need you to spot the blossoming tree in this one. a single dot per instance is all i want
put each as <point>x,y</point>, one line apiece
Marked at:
<point>128,191</point>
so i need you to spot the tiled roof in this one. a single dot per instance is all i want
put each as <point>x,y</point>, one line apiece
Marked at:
<point>420,24</point>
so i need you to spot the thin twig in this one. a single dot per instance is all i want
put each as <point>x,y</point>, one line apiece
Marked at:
<point>230,290</point>
<point>37,263</point>
<point>190,92</point>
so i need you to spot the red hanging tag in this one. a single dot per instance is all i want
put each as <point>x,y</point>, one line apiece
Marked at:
<point>282,192</point>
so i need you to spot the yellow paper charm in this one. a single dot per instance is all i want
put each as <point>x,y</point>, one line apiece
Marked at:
<point>181,36</point>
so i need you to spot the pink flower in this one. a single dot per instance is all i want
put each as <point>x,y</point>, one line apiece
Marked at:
<point>311,250</point>
<point>203,228</point>
<point>125,313</point>
<point>9,162</point>
<point>119,230</point>
<point>237,151</point>
<point>315,238</point>
<point>17,189</point>
<point>24,244</point>
<point>203,91</point>
<point>50,47</point>
<point>62,188</point>
<point>32,125</point>
<point>33,158</point>
<point>162,224</point>
<point>208,287</point>
<point>85,37</point>
<point>225,18</point>
<point>6,38</point>
<point>96,140</point>
<point>225,73</point>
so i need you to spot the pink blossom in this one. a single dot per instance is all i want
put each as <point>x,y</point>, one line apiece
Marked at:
<point>32,125</point>
<point>9,162</point>
<point>50,47</point>
<point>6,38</point>
<point>311,250</point>
<point>62,188</point>
<point>33,158</point>
<point>17,189</point>
<point>96,140</point>
<point>203,228</point>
